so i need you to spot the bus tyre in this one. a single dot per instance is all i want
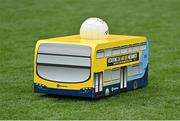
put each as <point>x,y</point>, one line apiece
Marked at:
<point>135,85</point>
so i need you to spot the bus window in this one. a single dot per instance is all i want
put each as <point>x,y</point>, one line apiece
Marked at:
<point>124,50</point>
<point>136,48</point>
<point>143,46</point>
<point>129,49</point>
<point>100,54</point>
<point>115,73</point>
<point>108,52</point>
<point>134,69</point>
<point>107,75</point>
<point>116,51</point>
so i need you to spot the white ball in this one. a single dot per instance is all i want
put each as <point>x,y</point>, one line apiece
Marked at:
<point>94,28</point>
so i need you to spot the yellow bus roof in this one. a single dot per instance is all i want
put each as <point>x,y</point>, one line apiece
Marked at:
<point>114,39</point>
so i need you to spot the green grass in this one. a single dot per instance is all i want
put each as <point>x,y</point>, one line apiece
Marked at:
<point>23,22</point>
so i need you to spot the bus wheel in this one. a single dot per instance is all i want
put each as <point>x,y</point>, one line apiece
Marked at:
<point>107,91</point>
<point>135,85</point>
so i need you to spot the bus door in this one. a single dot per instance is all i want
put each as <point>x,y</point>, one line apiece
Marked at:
<point>98,77</point>
<point>123,77</point>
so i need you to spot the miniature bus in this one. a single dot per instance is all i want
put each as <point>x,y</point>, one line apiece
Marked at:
<point>72,66</point>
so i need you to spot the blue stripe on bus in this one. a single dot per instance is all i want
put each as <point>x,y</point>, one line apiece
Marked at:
<point>82,93</point>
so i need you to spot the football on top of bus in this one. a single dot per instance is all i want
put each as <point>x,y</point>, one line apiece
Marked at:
<point>90,66</point>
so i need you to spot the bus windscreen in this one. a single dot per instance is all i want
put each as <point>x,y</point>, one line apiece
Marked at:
<point>64,62</point>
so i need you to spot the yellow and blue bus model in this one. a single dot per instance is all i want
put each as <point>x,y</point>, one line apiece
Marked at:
<point>72,66</point>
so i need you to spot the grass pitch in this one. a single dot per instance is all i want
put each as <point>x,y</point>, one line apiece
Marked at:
<point>23,22</point>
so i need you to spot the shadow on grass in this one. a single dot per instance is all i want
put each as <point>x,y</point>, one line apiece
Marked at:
<point>73,98</point>
<point>126,95</point>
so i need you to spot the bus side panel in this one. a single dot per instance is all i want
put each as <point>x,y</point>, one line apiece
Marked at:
<point>144,75</point>
<point>133,82</point>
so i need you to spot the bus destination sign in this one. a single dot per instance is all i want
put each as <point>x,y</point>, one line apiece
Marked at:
<point>121,59</point>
